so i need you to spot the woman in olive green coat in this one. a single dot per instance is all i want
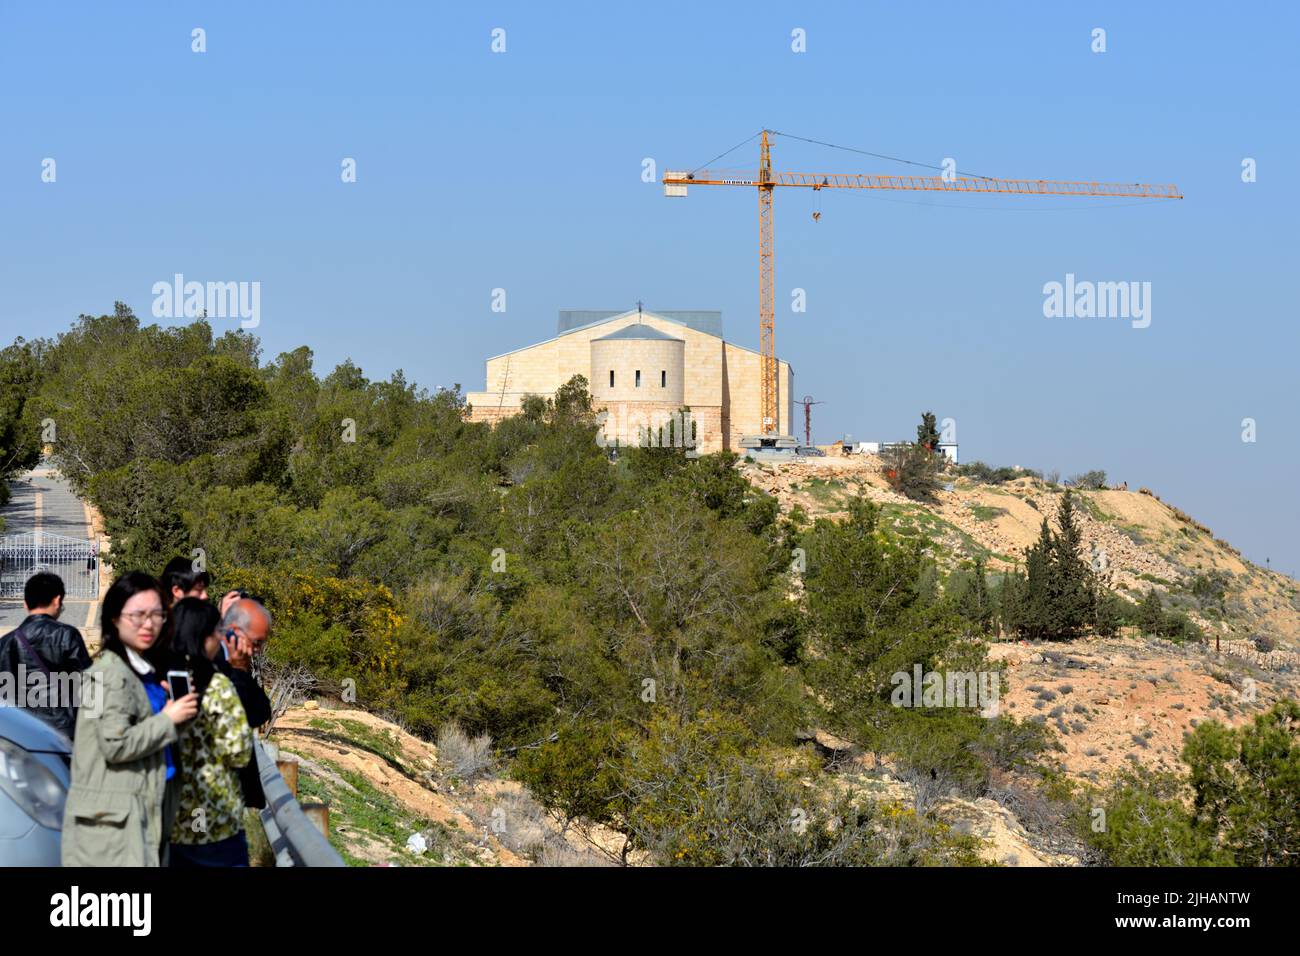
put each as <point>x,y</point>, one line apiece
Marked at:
<point>122,795</point>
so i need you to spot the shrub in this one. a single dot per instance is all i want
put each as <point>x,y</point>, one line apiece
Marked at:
<point>468,757</point>
<point>1142,822</point>
<point>694,799</point>
<point>979,471</point>
<point>1090,480</point>
<point>912,471</point>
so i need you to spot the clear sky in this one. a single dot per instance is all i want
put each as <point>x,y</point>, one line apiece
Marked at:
<point>522,170</point>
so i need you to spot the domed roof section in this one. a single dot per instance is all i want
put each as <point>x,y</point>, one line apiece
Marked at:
<point>639,330</point>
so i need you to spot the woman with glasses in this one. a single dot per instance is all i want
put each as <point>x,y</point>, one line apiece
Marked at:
<point>123,794</point>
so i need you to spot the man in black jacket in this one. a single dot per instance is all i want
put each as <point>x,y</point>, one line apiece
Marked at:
<point>47,651</point>
<point>244,629</point>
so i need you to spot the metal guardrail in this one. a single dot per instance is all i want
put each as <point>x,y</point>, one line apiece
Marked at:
<point>294,838</point>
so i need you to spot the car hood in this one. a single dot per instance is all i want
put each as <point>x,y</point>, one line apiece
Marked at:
<point>32,733</point>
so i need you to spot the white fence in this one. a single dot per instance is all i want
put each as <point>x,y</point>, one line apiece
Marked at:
<point>75,560</point>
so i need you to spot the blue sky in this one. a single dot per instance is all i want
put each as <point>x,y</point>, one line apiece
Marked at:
<point>522,171</point>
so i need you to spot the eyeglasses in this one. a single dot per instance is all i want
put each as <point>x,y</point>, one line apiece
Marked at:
<point>136,618</point>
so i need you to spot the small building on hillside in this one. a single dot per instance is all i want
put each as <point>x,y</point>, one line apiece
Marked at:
<point>642,369</point>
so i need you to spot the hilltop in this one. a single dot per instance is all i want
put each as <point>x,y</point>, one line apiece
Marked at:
<point>1136,539</point>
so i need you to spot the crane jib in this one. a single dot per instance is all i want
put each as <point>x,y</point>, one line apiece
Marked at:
<point>958,184</point>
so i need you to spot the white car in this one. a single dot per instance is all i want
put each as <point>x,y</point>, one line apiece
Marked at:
<point>35,770</point>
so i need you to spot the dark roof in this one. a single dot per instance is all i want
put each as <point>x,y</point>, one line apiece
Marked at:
<point>709,322</point>
<point>638,330</point>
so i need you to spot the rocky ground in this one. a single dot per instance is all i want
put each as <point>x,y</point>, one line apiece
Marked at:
<point>1129,700</point>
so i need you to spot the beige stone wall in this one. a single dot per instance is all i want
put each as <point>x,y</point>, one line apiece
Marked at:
<point>627,357</point>
<point>527,371</point>
<point>744,380</point>
<point>709,436</point>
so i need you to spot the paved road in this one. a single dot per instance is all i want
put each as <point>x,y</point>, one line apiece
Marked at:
<point>41,501</point>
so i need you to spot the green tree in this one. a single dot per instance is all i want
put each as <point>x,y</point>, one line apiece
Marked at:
<point>927,434</point>
<point>1140,820</point>
<point>974,602</point>
<point>1246,785</point>
<point>1060,595</point>
<point>20,436</point>
<point>1151,614</point>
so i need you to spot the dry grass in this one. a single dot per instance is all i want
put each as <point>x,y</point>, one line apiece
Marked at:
<point>467,757</point>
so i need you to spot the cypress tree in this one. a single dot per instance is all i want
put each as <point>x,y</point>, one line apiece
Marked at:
<point>1059,600</point>
<point>974,603</point>
<point>927,435</point>
<point>1074,588</point>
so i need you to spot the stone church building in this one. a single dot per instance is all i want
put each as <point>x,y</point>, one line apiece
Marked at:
<point>642,369</point>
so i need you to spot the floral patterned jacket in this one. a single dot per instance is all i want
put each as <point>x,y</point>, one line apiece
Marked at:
<point>214,745</point>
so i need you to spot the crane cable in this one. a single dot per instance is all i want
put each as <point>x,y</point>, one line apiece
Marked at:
<point>864,152</point>
<point>912,162</point>
<point>720,155</point>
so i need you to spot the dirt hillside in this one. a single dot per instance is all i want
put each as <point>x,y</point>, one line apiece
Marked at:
<point>395,802</point>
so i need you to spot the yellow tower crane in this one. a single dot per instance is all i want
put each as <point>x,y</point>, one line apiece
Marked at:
<point>766,181</point>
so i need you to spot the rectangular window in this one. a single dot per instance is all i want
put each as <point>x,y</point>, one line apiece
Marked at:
<point>638,378</point>
<point>663,379</point>
<point>611,378</point>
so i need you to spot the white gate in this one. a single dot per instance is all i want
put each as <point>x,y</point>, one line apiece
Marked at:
<point>75,560</point>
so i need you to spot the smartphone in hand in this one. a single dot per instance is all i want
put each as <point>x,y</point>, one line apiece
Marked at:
<point>179,683</point>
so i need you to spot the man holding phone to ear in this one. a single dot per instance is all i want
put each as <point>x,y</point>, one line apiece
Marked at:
<point>244,629</point>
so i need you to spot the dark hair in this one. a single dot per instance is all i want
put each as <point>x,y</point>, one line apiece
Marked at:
<point>41,589</point>
<point>191,623</point>
<point>123,589</point>
<point>180,573</point>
